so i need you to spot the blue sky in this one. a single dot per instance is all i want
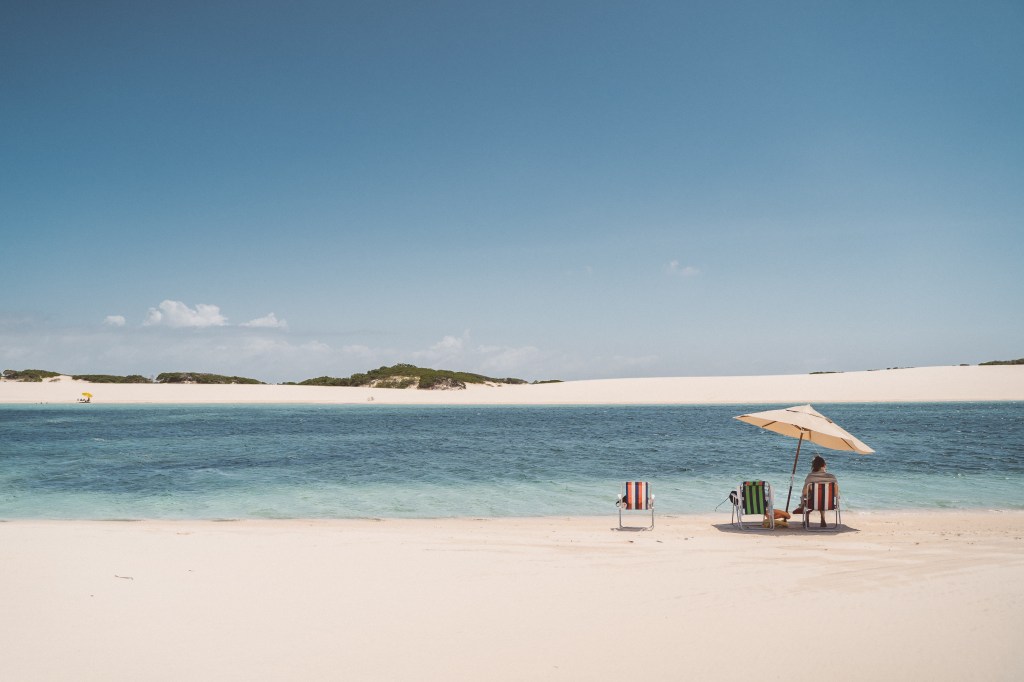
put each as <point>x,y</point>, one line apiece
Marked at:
<point>533,189</point>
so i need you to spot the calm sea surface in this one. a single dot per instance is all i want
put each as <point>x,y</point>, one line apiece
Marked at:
<point>226,461</point>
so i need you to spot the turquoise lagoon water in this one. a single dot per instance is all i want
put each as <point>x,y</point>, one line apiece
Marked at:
<point>273,461</point>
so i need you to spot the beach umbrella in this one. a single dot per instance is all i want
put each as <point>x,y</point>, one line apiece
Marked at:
<point>806,423</point>
<point>87,395</point>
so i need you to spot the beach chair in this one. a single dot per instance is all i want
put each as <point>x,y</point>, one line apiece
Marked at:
<point>821,497</point>
<point>638,497</point>
<point>753,497</point>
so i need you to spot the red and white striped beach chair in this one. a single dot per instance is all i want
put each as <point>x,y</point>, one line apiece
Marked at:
<point>638,497</point>
<point>821,497</point>
<point>756,498</point>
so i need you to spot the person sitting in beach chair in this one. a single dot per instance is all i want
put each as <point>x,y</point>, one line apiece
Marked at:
<point>820,493</point>
<point>638,497</point>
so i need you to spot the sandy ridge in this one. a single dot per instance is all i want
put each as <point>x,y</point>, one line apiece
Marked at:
<point>923,384</point>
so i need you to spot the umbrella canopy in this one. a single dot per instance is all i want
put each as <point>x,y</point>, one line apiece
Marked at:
<point>806,423</point>
<point>87,395</point>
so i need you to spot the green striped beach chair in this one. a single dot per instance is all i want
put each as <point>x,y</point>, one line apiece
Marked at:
<point>638,497</point>
<point>753,498</point>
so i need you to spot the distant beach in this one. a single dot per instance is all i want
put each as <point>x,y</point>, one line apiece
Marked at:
<point>921,384</point>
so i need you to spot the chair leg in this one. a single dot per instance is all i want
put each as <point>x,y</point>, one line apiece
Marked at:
<point>737,517</point>
<point>834,527</point>
<point>622,527</point>
<point>839,517</point>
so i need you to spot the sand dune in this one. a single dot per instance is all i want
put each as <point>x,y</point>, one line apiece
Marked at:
<point>922,384</point>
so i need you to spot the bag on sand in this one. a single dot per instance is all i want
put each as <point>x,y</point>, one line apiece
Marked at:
<point>781,519</point>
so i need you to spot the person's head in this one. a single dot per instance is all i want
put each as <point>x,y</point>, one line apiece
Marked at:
<point>818,463</point>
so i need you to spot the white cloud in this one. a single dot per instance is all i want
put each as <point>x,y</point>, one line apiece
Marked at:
<point>675,268</point>
<point>449,344</point>
<point>268,321</point>
<point>177,314</point>
<point>456,352</point>
<point>507,360</point>
<point>355,349</point>
<point>448,350</point>
<point>114,320</point>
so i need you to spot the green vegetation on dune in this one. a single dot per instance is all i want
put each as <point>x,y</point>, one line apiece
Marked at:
<point>112,379</point>
<point>320,381</point>
<point>397,376</point>
<point>402,375</point>
<point>165,378</point>
<point>201,378</point>
<point>29,374</point>
<point>407,376</point>
<point>40,374</point>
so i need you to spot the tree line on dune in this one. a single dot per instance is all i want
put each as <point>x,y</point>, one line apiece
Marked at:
<point>397,376</point>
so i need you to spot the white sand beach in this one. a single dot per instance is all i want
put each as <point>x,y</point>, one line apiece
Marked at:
<point>936,596</point>
<point>931,595</point>
<point>922,384</point>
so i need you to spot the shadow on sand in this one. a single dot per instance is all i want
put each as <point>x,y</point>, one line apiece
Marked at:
<point>792,529</point>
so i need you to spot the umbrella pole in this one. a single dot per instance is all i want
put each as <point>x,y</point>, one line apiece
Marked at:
<point>793,475</point>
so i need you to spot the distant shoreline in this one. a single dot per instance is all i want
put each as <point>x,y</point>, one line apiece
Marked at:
<point>919,384</point>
